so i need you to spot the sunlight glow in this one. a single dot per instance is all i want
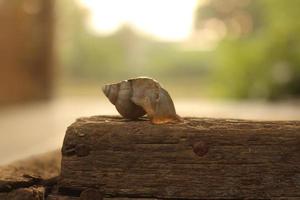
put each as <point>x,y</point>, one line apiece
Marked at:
<point>170,20</point>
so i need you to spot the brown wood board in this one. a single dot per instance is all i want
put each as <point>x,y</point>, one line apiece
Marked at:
<point>198,159</point>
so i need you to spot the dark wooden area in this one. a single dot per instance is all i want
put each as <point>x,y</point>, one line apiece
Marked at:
<point>198,159</point>
<point>30,179</point>
<point>26,50</point>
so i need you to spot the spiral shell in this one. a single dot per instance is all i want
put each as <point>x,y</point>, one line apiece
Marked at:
<point>134,98</point>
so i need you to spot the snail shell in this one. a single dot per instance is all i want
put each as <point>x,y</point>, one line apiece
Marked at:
<point>134,98</point>
<point>119,94</point>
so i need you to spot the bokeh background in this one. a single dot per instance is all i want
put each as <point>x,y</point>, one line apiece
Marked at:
<point>217,58</point>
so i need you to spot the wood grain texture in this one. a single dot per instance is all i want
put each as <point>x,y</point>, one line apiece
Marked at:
<point>29,193</point>
<point>59,197</point>
<point>198,159</point>
<point>30,179</point>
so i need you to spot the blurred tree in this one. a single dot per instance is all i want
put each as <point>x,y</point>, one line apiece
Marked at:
<point>258,57</point>
<point>89,56</point>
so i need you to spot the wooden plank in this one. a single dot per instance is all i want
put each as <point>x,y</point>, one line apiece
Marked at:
<point>30,193</point>
<point>198,159</point>
<point>30,179</point>
<point>62,197</point>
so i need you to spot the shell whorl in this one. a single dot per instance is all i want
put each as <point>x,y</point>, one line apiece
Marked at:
<point>134,98</point>
<point>120,94</point>
<point>111,92</point>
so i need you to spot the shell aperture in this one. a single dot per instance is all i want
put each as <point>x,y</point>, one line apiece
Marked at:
<point>136,97</point>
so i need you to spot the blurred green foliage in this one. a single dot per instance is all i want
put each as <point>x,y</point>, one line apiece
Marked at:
<point>258,55</point>
<point>85,55</point>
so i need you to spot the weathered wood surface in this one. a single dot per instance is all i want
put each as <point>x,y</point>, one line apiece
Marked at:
<point>30,179</point>
<point>198,159</point>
